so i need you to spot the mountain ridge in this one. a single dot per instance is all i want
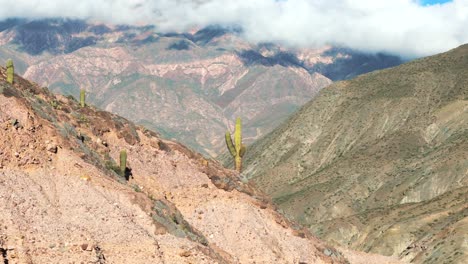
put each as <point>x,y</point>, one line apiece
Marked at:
<point>378,162</point>
<point>213,65</point>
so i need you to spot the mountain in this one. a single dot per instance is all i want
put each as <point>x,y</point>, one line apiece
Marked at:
<point>188,86</point>
<point>378,163</point>
<point>64,199</point>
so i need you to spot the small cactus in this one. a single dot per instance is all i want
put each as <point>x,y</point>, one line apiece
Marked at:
<point>10,71</point>
<point>123,162</point>
<point>237,149</point>
<point>82,98</point>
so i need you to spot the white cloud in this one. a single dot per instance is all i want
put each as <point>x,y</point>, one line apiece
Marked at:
<point>397,26</point>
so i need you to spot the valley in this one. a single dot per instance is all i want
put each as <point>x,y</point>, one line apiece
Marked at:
<point>187,86</point>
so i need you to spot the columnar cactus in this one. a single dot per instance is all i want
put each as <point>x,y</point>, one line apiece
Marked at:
<point>237,149</point>
<point>82,97</point>
<point>10,71</point>
<point>123,162</point>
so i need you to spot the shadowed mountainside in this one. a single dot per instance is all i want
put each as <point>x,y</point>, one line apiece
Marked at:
<point>378,163</point>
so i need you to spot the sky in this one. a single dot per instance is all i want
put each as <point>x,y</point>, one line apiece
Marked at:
<point>409,28</point>
<point>433,2</point>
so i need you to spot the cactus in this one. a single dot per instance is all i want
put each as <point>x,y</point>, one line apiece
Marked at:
<point>10,71</point>
<point>237,149</point>
<point>123,162</point>
<point>82,97</point>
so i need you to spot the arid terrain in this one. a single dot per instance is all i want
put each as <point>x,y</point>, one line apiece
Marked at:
<point>234,132</point>
<point>378,163</point>
<point>62,199</point>
<point>187,86</point>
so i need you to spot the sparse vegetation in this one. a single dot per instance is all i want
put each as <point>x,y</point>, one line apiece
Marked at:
<point>236,149</point>
<point>123,162</point>
<point>82,98</point>
<point>171,218</point>
<point>137,188</point>
<point>83,119</point>
<point>111,165</point>
<point>55,104</point>
<point>10,71</point>
<point>71,98</point>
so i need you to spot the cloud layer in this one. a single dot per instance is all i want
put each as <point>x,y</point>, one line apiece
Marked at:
<point>402,27</point>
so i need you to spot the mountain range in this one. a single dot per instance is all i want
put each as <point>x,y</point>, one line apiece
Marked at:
<point>187,86</point>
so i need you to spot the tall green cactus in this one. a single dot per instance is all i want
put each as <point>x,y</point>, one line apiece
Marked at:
<point>123,162</point>
<point>10,71</point>
<point>82,98</point>
<point>237,149</point>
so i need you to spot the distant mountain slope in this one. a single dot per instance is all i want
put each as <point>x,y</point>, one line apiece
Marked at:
<point>188,86</point>
<point>378,163</point>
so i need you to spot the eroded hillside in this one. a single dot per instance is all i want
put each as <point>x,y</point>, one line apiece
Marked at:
<point>62,199</point>
<point>378,163</point>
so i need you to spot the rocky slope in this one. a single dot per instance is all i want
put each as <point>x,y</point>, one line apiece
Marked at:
<point>188,86</point>
<point>378,163</point>
<point>63,201</point>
